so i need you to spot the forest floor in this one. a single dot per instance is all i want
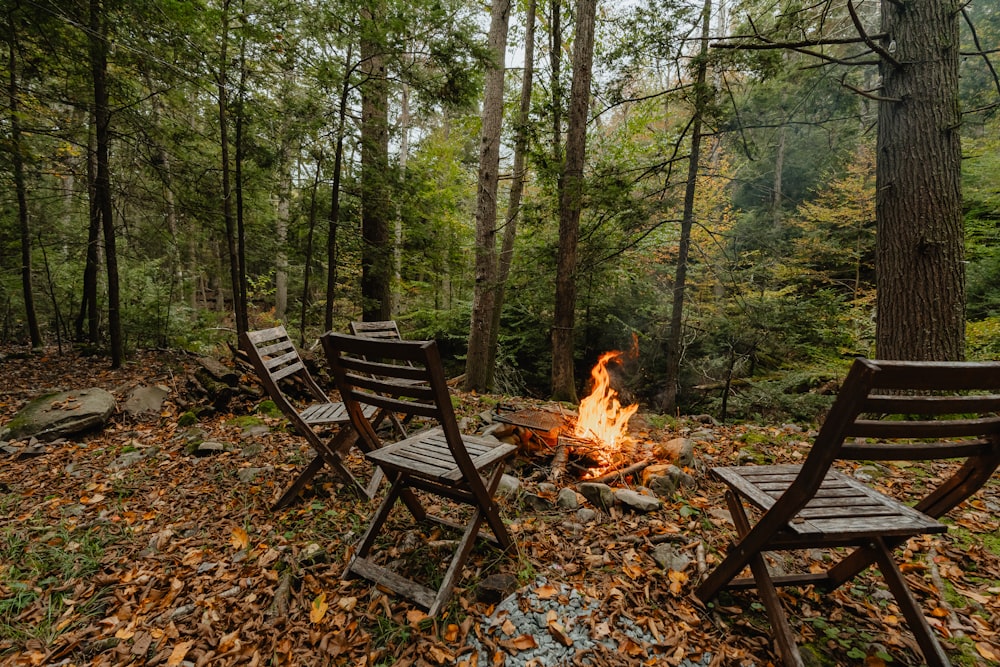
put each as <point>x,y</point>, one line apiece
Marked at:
<point>121,548</point>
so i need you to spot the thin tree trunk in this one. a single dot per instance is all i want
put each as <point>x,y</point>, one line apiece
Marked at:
<point>920,272</point>
<point>99,68</point>
<point>307,272</point>
<point>517,183</point>
<point>376,252</point>
<point>243,312</point>
<point>88,302</point>
<point>478,372</point>
<point>397,235</point>
<point>235,269</point>
<point>571,204</point>
<point>334,220</point>
<point>17,157</point>
<point>701,97</point>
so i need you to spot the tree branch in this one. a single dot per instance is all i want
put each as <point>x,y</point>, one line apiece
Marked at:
<point>975,40</point>
<point>868,40</point>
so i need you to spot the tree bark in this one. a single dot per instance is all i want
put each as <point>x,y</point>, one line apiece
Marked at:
<point>235,268</point>
<point>478,372</point>
<point>669,396</point>
<point>376,252</point>
<point>920,276</point>
<point>570,205</point>
<point>99,69</point>
<point>17,160</point>
<point>334,220</point>
<point>88,302</point>
<point>506,257</point>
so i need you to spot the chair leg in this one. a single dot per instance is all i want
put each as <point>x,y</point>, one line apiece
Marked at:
<point>491,513</point>
<point>457,561</point>
<point>293,491</point>
<point>933,652</point>
<point>783,635</point>
<point>364,545</point>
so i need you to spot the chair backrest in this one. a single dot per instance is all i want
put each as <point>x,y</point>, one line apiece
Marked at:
<point>399,376</point>
<point>277,362</point>
<point>386,329</point>
<point>909,410</point>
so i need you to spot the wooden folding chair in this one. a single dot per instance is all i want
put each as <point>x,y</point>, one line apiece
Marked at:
<point>886,410</point>
<point>277,363</point>
<point>406,377</point>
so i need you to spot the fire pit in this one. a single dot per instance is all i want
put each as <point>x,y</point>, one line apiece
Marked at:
<point>594,441</point>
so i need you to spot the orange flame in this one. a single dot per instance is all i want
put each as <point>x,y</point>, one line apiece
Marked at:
<point>601,415</point>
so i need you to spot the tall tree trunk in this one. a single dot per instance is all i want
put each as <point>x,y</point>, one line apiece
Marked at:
<point>243,311</point>
<point>283,191</point>
<point>17,159</point>
<point>478,372</point>
<point>397,221</point>
<point>920,275</point>
<point>334,220</point>
<point>307,269</point>
<point>555,64</point>
<point>701,98</point>
<point>376,252</point>
<point>88,302</point>
<point>571,204</point>
<point>517,182</point>
<point>235,267</point>
<point>99,68</point>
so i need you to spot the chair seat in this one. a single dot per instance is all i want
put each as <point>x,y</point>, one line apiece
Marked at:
<point>842,510</point>
<point>331,413</point>
<point>427,455</point>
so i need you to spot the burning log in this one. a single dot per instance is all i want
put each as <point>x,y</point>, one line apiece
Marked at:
<point>622,472</point>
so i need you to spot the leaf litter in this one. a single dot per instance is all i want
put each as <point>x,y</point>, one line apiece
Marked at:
<point>120,548</point>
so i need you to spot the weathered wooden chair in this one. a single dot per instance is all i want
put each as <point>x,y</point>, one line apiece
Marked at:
<point>406,377</point>
<point>886,410</point>
<point>383,329</point>
<point>277,363</point>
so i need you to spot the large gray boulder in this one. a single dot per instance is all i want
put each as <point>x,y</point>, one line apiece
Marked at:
<point>59,415</point>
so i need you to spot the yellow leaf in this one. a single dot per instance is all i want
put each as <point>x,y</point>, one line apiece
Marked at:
<point>347,603</point>
<point>239,539</point>
<point>177,655</point>
<point>525,642</point>
<point>451,632</point>
<point>414,616</point>
<point>318,609</point>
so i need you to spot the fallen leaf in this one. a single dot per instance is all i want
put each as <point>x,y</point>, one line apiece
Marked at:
<point>318,608</point>
<point>986,651</point>
<point>240,539</point>
<point>415,616</point>
<point>525,642</point>
<point>545,592</point>
<point>179,652</point>
<point>451,632</point>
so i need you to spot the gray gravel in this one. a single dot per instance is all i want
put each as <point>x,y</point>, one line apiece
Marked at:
<point>535,631</point>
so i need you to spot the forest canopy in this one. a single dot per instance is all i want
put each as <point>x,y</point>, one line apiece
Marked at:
<point>176,172</point>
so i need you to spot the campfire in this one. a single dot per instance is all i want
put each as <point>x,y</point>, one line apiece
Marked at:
<point>595,442</point>
<point>602,420</point>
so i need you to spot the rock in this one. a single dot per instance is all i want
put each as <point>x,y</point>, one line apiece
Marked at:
<point>509,485</point>
<point>597,494</point>
<point>499,430</point>
<point>547,487</point>
<point>721,515</point>
<point>703,434</point>
<point>679,450</point>
<point>210,447</point>
<point>536,502</point>
<point>637,501</point>
<point>248,475</point>
<point>662,485</point>
<point>128,459</point>
<point>312,554</point>
<point>62,414</point>
<point>567,499</point>
<point>145,400</point>
<point>668,558</point>
<point>495,588</point>
<point>586,515</point>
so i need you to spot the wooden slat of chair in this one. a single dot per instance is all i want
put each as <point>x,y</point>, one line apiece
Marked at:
<point>275,360</point>
<point>408,378</point>
<point>880,414</point>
